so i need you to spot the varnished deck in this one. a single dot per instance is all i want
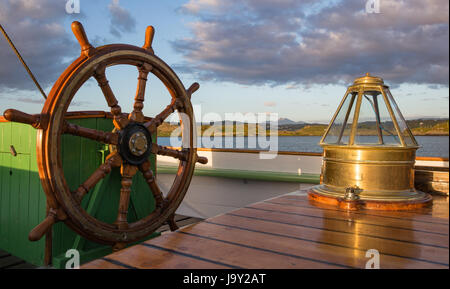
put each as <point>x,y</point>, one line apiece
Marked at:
<point>7,261</point>
<point>291,232</point>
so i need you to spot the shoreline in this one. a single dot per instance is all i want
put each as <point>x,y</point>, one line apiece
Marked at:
<point>291,135</point>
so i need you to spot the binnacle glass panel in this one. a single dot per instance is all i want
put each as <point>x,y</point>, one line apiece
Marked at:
<point>340,129</point>
<point>375,126</point>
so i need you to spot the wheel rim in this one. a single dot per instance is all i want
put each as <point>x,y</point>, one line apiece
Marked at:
<point>49,152</point>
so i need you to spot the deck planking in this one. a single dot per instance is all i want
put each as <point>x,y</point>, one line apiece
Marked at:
<point>292,232</point>
<point>8,261</point>
<point>181,221</point>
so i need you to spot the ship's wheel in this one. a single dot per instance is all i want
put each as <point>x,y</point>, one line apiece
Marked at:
<point>131,140</point>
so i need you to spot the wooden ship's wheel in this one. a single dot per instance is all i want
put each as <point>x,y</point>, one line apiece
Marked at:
<point>131,141</point>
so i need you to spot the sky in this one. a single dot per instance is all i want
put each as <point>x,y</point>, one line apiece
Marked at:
<point>290,57</point>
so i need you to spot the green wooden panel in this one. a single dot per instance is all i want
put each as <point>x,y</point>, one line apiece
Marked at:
<point>21,196</point>
<point>77,167</point>
<point>5,136</point>
<point>23,202</point>
<point>20,188</point>
<point>22,138</point>
<point>18,135</point>
<point>5,170</point>
<point>37,208</point>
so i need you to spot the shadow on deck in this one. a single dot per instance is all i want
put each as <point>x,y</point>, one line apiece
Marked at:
<point>7,261</point>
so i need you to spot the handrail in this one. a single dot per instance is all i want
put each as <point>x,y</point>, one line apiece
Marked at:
<point>418,158</point>
<point>431,159</point>
<point>247,151</point>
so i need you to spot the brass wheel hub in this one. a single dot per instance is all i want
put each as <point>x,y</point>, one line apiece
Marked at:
<point>138,144</point>
<point>134,144</point>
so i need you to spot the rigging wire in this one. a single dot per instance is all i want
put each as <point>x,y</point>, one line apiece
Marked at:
<point>22,61</point>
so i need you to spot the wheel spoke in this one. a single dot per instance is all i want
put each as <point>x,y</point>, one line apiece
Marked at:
<point>181,155</point>
<point>172,224</point>
<point>113,160</point>
<point>165,151</point>
<point>35,120</point>
<point>93,134</point>
<point>151,181</point>
<point>137,114</point>
<point>193,88</point>
<point>119,120</point>
<point>153,124</point>
<point>127,172</point>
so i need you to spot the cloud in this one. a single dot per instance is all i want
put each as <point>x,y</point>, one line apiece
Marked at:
<point>27,99</point>
<point>40,100</point>
<point>270,103</point>
<point>290,42</point>
<point>121,20</point>
<point>80,103</point>
<point>36,28</point>
<point>196,6</point>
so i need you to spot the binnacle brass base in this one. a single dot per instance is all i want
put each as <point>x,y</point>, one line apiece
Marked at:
<point>406,200</point>
<point>369,177</point>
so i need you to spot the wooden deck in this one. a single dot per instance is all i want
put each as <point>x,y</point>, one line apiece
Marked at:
<point>291,232</point>
<point>181,222</point>
<point>8,261</point>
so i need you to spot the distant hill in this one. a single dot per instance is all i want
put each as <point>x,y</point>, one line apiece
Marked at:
<point>287,121</point>
<point>428,126</point>
<point>288,127</point>
<point>281,121</point>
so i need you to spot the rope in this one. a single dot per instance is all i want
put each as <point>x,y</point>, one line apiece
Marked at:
<point>22,61</point>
